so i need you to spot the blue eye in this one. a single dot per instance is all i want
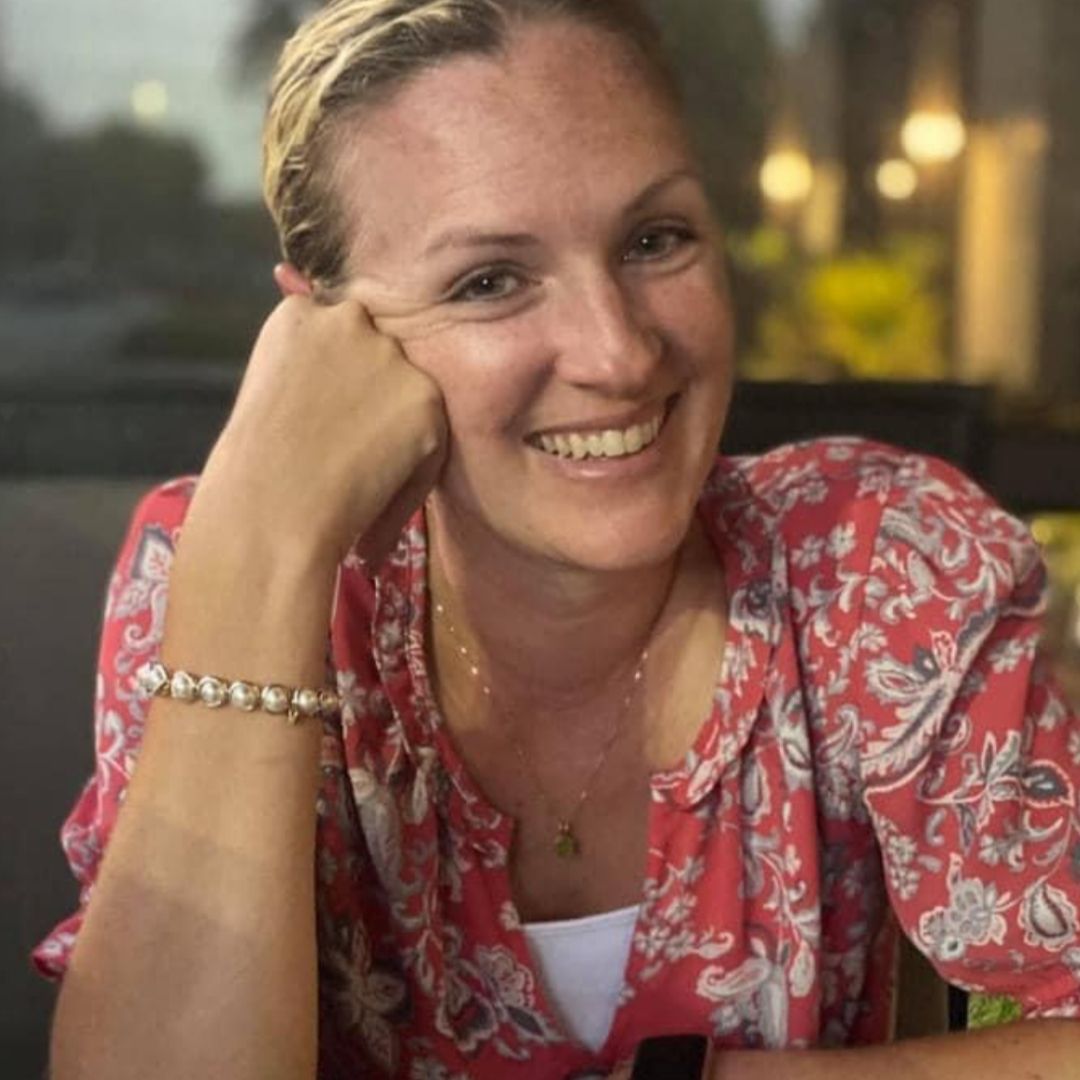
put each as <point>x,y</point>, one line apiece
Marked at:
<point>658,242</point>
<point>495,284</point>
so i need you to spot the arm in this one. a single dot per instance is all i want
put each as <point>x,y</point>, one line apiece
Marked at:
<point>197,956</point>
<point>1034,1050</point>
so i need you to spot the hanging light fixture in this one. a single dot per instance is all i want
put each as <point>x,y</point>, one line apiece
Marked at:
<point>934,132</point>
<point>897,179</point>
<point>932,137</point>
<point>787,176</point>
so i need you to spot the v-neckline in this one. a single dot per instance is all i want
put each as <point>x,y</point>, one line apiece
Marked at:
<point>750,627</point>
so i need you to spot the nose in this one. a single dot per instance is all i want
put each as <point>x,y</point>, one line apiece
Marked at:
<point>606,338</point>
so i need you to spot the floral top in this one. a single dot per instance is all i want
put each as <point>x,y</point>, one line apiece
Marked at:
<point>885,750</point>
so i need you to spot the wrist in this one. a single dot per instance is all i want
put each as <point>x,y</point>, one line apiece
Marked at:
<point>248,604</point>
<point>236,506</point>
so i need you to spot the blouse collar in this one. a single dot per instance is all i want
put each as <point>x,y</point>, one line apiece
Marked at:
<point>743,534</point>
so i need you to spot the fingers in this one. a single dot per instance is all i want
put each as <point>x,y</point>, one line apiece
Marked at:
<point>391,312</point>
<point>412,326</point>
<point>383,535</point>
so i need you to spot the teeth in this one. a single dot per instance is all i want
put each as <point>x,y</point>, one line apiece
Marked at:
<point>614,446</point>
<point>604,444</point>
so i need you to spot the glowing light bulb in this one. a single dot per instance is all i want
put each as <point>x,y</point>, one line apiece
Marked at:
<point>787,176</point>
<point>897,179</point>
<point>150,101</point>
<point>933,137</point>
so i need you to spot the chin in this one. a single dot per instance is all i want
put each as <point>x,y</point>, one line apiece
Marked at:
<point>639,542</point>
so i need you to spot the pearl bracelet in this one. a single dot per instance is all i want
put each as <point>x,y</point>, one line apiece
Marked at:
<point>156,680</point>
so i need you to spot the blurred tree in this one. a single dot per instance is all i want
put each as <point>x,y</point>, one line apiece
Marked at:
<point>121,196</point>
<point>268,26</point>
<point>23,136</point>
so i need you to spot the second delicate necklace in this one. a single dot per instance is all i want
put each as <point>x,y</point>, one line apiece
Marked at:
<point>566,844</point>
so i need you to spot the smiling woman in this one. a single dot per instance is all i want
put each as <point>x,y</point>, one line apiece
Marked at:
<point>608,712</point>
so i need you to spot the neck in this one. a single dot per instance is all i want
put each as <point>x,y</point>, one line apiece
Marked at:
<point>544,632</point>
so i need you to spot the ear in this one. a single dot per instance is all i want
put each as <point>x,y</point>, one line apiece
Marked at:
<point>291,282</point>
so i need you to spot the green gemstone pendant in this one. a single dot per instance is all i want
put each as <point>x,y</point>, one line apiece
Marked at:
<point>566,843</point>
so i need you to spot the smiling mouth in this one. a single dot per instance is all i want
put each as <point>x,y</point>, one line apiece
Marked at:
<point>609,443</point>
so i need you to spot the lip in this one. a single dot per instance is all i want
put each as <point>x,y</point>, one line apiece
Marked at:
<point>621,422</point>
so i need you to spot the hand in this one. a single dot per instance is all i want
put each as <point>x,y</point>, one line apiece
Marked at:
<point>335,437</point>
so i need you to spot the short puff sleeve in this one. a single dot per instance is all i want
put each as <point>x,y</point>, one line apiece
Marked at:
<point>131,635</point>
<point>970,755</point>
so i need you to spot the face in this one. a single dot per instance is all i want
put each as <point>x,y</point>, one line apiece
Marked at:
<point>533,228</point>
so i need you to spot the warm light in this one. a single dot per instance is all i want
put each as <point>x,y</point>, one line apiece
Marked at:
<point>150,101</point>
<point>1042,532</point>
<point>787,176</point>
<point>933,137</point>
<point>897,179</point>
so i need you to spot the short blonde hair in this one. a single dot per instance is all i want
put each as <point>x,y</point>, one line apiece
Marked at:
<point>353,54</point>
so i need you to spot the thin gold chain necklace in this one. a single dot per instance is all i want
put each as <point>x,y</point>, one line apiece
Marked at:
<point>566,844</point>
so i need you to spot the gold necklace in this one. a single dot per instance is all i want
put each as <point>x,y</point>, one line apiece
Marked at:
<point>566,844</point>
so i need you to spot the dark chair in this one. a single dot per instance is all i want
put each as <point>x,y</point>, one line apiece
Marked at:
<point>948,420</point>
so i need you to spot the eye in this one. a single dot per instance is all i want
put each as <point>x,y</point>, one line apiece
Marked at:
<point>658,242</point>
<point>496,283</point>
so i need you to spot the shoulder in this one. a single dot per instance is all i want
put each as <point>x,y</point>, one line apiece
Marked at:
<point>821,487</point>
<point>835,469</point>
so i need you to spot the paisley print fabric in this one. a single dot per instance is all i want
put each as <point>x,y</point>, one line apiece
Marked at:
<point>886,753</point>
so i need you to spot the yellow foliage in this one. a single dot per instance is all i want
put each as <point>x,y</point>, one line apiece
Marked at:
<point>862,315</point>
<point>873,317</point>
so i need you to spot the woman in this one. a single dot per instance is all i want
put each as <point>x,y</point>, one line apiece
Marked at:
<point>573,649</point>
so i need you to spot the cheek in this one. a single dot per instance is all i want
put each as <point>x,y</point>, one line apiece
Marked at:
<point>696,316</point>
<point>489,375</point>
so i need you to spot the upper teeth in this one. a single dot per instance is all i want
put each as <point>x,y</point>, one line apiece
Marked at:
<point>605,444</point>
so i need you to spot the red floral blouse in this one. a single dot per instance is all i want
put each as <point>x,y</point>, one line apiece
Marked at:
<point>885,750</point>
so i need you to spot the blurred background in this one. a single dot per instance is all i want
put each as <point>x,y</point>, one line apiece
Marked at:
<point>899,179</point>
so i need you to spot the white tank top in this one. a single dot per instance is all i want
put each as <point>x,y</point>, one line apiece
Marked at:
<point>582,962</point>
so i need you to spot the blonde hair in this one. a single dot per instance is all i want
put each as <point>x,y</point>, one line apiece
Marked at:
<point>353,54</point>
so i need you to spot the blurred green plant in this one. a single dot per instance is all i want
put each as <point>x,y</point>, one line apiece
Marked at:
<point>860,315</point>
<point>987,1010</point>
<point>1059,537</point>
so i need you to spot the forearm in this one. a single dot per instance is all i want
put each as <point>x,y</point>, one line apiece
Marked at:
<point>197,957</point>
<point>1035,1050</point>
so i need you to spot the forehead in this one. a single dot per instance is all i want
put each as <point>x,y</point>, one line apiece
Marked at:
<point>564,116</point>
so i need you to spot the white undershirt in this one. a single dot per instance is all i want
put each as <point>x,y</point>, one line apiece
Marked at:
<point>582,962</point>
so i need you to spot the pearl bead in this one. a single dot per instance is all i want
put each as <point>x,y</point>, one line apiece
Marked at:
<point>183,686</point>
<point>306,702</point>
<point>275,699</point>
<point>212,692</point>
<point>245,696</point>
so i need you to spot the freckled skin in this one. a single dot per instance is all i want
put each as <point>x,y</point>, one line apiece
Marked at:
<point>554,138</point>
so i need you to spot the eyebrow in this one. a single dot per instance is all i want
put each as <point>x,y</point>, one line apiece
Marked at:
<point>476,238</point>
